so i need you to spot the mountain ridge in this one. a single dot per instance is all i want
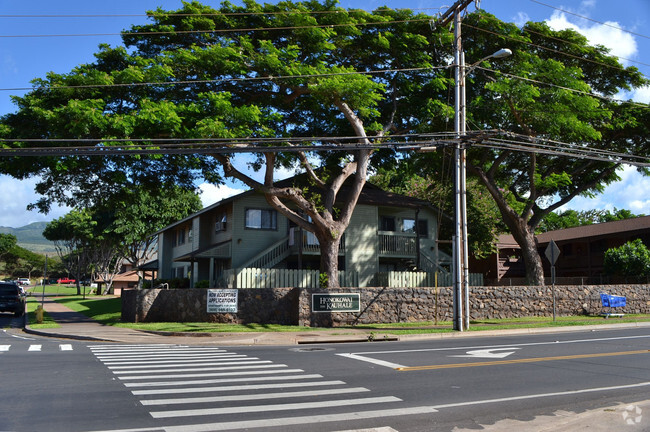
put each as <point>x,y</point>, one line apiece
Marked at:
<point>31,237</point>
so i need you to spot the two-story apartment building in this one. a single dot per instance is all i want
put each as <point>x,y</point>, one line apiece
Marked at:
<point>387,232</point>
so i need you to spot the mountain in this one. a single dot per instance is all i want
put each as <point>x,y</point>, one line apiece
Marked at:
<point>31,237</point>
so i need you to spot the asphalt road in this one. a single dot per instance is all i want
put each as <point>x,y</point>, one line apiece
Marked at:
<point>441,385</point>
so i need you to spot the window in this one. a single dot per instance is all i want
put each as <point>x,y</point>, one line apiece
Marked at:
<point>408,225</point>
<point>220,225</point>
<point>261,219</point>
<point>178,237</point>
<point>423,228</point>
<point>387,223</point>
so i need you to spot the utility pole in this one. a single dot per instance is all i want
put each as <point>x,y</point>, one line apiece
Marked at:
<point>460,245</point>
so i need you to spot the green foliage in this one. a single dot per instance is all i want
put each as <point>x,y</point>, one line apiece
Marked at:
<point>7,242</point>
<point>630,259</point>
<point>323,280</point>
<point>429,180</point>
<point>572,218</point>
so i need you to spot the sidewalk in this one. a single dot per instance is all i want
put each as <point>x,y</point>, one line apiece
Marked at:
<point>74,325</point>
<point>633,417</point>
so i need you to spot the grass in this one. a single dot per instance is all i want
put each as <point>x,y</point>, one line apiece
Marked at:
<point>106,310</point>
<point>31,305</point>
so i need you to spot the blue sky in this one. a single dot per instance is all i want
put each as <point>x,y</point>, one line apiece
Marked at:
<point>24,57</point>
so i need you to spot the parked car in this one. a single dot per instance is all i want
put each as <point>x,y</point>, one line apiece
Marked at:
<point>24,281</point>
<point>65,281</point>
<point>12,298</point>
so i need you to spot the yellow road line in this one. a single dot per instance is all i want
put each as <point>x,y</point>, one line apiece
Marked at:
<point>515,361</point>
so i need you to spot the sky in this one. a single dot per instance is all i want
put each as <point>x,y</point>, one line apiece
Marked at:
<point>39,36</point>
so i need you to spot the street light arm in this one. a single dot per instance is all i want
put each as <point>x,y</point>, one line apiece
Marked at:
<point>503,52</point>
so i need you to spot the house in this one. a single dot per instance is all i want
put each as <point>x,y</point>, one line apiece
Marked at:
<point>387,232</point>
<point>582,251</point>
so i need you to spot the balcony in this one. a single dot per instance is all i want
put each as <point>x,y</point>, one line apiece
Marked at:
<point>397,245</point>
<point>310,245</point>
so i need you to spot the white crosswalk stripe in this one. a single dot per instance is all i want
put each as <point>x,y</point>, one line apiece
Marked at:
<point>35,348</point>
<point>180,382</point>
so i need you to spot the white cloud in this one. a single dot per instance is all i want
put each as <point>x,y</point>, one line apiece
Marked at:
<point>17,194</point>
<point>641,94</point>
<point>628,193</point>
<point>210,193</point>
<point>620,43</point>
<point>521,18</point>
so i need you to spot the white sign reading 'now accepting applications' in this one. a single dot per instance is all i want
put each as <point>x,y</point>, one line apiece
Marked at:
<point>222,301</point>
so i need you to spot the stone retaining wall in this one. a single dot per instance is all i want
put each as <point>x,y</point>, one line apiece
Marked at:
<point>292,306</point>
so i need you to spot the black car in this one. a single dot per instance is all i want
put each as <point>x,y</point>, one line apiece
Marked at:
<point>11,298</point>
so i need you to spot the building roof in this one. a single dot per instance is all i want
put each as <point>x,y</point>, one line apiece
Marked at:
<point>597,230</point>
<point>585,231</point>
<point>370,195</point>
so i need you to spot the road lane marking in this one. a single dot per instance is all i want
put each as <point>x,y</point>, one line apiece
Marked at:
<point>5,347</point>
<point>488,353</point>
<point>236,388</point>
<point>195,368</point>
<point>215,374</point>
<point>372,360</point>
<point>516,361</point>
<point>35,347</point>
<point>270,408</point>
<point>65,347</point>
<point>188,363</point>
<point>222,380</point>
<point>254,396</point>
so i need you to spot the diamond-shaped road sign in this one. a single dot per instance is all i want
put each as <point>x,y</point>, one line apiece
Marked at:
<point>552,252</point>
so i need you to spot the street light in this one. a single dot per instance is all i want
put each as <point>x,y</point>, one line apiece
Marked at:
<point>461,258</point>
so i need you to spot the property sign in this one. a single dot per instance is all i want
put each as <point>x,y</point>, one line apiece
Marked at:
<point>335,303</point>
<point>222,301</point>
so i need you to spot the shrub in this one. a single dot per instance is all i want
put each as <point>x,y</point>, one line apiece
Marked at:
<point>631,259</point>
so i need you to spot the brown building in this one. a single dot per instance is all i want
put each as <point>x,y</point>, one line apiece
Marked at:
<point>582,250</point>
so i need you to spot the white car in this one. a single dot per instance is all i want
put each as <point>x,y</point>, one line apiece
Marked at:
<point>23,281</point>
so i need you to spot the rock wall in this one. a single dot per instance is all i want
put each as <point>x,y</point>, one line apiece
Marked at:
<point>292,306</point>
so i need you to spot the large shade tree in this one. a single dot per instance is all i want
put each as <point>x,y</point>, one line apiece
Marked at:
<point>312,69</point>
<point>289,70</point>
<point>555,86</point>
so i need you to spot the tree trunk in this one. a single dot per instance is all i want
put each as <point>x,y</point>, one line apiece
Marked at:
<point>532,260</point>
<point>329,260</point>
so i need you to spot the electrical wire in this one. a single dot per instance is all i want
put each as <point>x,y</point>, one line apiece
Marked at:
<point>485,139</point>
<point>214,81</point>
<point>590,19</point>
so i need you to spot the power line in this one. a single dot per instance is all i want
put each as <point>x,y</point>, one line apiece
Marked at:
<point>402,143</point>
<point>590,19</point>
<point>566,54</point>
<point>219,31</point>
<point>253,29</point>
<point>214,81</point>
<point>155,14</point>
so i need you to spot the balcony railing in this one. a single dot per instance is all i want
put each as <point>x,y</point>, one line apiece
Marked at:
<point>310,244</point>
<point>397,244</point>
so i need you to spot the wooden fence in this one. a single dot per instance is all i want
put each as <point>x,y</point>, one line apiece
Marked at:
<point>281,278</point>
<point>396,279</point>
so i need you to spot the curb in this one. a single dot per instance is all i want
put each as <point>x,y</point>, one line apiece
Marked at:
<point>293,339</point>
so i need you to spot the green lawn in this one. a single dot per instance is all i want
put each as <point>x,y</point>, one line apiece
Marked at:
<point>106,310</point>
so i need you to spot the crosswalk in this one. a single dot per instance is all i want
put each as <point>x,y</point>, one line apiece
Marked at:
<point>214,389</point>
<point>36,347</point>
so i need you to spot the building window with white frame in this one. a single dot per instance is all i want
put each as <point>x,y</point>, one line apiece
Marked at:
<point>263,219</point>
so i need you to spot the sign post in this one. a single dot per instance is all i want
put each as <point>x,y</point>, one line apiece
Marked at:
<point>552,253</point>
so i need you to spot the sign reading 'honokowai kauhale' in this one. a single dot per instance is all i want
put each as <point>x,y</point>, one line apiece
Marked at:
<point>222,301</point>
<point>335,303</point>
